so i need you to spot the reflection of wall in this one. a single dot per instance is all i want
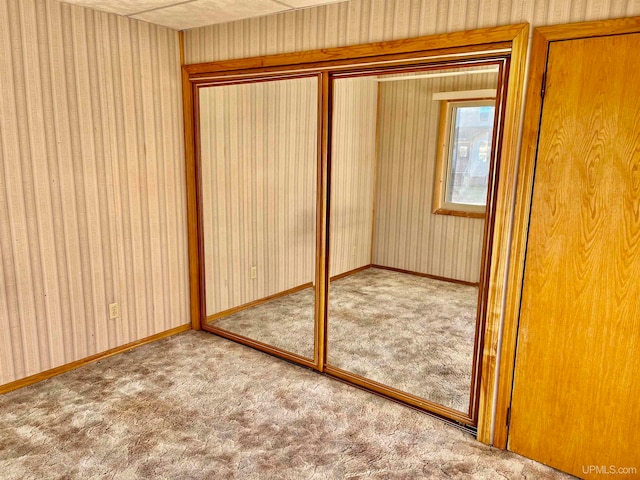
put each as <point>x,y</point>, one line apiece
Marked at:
<point>407,234</point>
<point>353,172</point>
<point>259,157</point>
<point>92,185</point>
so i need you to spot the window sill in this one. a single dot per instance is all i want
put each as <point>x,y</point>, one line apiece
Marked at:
<point>458,213</point>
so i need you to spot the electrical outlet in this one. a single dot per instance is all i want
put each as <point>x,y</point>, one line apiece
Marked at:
<point>254,272</point>
<point>114,310</point>
<point>353,251</point>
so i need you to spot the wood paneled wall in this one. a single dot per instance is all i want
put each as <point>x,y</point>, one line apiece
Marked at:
<point>353,160</point>
<point>363,21</point>
<point>407,234</point>
<point>259,159</point>
<point>92,185</point>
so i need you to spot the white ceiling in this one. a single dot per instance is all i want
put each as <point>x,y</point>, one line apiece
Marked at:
<point>184,14</point>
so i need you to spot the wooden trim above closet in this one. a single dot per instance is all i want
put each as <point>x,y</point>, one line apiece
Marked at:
<point>542,37</point>
<point>503,45</point>
<point>444,43</point>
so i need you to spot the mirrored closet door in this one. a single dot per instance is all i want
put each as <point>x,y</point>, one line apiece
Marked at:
<point>411,168</point>
<point>345,212</point>
<point>258,154</point>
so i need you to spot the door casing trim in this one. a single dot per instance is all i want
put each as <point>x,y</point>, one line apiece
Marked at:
<point>542,38</point>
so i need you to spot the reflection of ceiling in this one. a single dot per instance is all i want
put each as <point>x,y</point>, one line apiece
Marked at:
<point>448,72</point>
<point>184,14</point>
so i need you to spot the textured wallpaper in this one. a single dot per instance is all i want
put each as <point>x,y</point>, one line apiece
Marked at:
<point>364,21</point>
<point>92,186</point>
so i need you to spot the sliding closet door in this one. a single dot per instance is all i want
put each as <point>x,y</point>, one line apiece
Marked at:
<point>405,272</point>
<point>258,158</point>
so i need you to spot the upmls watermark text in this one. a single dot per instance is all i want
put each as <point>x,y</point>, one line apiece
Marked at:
<point>608,470</point>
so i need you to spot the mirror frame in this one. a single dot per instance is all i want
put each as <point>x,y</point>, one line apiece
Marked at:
<point>204,318</point>
<point>468,418</point>
<point>508,44</point>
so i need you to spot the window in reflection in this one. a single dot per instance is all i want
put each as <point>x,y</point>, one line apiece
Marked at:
<point>467,150</point>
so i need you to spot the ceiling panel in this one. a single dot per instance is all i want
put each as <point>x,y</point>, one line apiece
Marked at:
<point>122,7</point>
<point>185,14</point>
<point>207,12</point>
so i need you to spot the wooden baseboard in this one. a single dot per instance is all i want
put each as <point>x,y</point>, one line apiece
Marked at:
<point>38,377</point>
<point>255,303</point>
<point>426,275</point>
<point>350,272</point>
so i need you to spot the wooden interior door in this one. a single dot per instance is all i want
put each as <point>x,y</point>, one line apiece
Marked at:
<point>576,392</point>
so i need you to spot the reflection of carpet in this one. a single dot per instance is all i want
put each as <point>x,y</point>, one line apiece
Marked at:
<point>196,406</point>
<point>412,333</point>
<point>286,323</point>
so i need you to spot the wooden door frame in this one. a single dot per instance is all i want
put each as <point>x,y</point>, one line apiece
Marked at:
<point>508,41</point>
<point>542,39</point>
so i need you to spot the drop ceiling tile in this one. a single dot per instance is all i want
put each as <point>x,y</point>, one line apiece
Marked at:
<point>308,3</point>
<point>207,12</point>
<point>122,7</point>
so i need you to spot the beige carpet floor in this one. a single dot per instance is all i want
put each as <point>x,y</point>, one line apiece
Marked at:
<point>196,406</point>
<point>409,332</point>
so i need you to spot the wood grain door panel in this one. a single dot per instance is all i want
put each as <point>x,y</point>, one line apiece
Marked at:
<point>576,394</point>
